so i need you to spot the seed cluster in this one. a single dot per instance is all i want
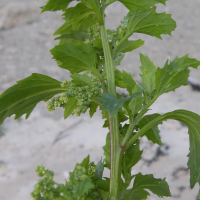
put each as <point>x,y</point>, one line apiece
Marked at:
<point>84,96</point>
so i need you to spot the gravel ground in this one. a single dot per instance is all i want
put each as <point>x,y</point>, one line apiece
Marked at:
<point>25,41</point>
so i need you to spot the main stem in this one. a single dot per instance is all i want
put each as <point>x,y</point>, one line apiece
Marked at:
<point>115,171</point>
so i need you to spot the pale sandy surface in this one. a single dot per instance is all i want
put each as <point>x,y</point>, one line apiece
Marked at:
<point>25,41</point>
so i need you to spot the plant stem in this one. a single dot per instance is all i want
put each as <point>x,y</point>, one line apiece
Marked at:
<point>115,171</point>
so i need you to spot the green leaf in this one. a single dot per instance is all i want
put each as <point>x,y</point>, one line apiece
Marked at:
<point>106,150</point>
<point>149,22</point>
<point>23,97</point>
<point>174,74</point>
<point>132,156</point>
<point>153,133</point>
<point>85,185</point>
<point>71,104</point>
<point>99,167</point>
<point>157,186</point>
<point>93,108</point>
<point>135,104</point>
<point>78,19</point>
<point>141,5</point>
<point>148,69</point>
<point>81,79</point>
<point>138,194</point>
<point>128,45</point>
<point>103,184</point>
<point>192,120</point>
<point>85,162</point>
<point>54,5</point>
<point>98,43</point>
<point>75,35</point>
<point>75,57</point>
<point>117,59</point>
<point>112,104</point>
<point>141,182</point>
<point>124,80</point>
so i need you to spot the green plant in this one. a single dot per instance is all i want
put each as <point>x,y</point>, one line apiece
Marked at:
<point>91,54</point>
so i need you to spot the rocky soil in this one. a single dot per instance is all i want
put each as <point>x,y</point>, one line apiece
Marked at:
<point>25,41</point>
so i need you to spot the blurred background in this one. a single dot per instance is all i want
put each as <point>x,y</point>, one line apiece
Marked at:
<point>46,138</point>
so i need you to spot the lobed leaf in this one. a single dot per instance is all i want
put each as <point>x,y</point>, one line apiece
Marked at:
<point>192,120</point>
<point>148,74</point>
<point>174,74</point>
<point>54,5</point>
<point>23,97</point>
<point>148,22</point>
<point>156,186</point>
<point>141,5</point>
<point>112,104</point>
<point>77,20</point>
<point>124,80</point>
<point>128,45</point>
<point>75,57</point>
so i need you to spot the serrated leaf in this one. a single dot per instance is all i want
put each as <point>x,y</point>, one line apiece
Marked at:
<point>149,22</point>
<point>23,97</point>
<point>128,45</point>
<point>141,5</point>
<point>135,105</point>
<point>124,80</point>
<point>153,133</point>
<point>75,57</point>
<point>112,104</point>
<point>148,69</point>
<point>54,5</point>
<point>71,104</point>
<point>78,19</point>
<point>156,186</point>
<point>192,120</point>
<point>174,74</point>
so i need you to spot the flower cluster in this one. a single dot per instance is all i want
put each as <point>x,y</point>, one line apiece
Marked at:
<point>46,187</point>
<point>84,96</point>
<point>115,35</point>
